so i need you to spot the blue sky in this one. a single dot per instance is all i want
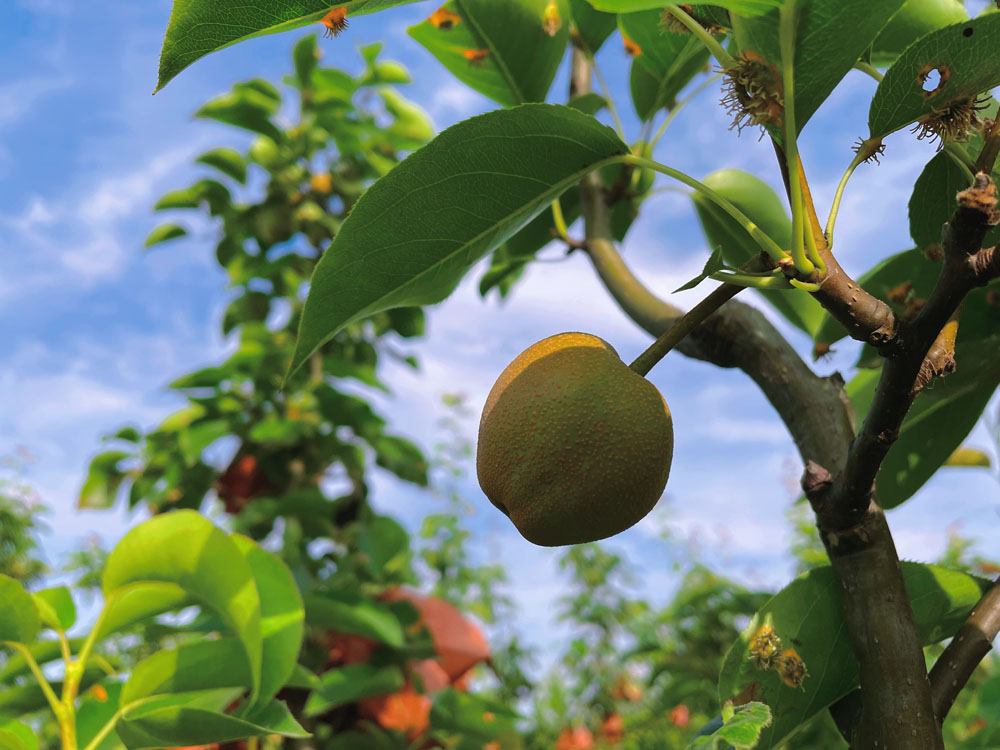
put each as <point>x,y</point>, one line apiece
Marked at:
<point>93,327</point>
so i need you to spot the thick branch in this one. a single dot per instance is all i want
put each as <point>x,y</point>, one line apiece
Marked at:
<point>883,632</point>
<point>961,657</point>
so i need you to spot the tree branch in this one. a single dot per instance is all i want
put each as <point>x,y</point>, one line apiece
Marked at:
<point>961,657</point>
<point>883,631</point>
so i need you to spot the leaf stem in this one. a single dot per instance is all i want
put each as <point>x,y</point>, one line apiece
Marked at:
<point>559,220</point>
<point>676,333</point>
<point>787,33</point>
<point>773,282</point>
<point>869,69</point>
<point>105,730</point>
<point>767,244</point>
<point>835,208</point>
<point>608,98</point>
<point>725,59</point>
<point>47,690</point>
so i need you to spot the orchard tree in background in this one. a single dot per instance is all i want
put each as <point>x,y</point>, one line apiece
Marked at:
<point>326,643</point>
<point>849,637</point>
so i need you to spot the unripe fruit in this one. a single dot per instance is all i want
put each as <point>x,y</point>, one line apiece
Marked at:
<point>915,19</point>
<point>573,445</point>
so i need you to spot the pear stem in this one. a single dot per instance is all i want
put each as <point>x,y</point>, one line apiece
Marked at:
<point>676,333</point>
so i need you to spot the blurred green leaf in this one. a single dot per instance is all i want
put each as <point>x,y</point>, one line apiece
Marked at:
<point>593,26</point>
<point>229,161</point>
<point>348,612</point>
<point>165,233</point>
<point>103,480</point>
<point>56,607</point>
<point>352,683</point>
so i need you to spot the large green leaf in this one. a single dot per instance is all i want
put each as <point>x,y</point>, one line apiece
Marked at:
<point>185,549</point>
<point>940,419</point>
<point>967,58</point>
<point>174,720</point>
<point>671,60</point>
<point>932,202</point>
<point>743,7</point>
<point>56,607</point>
<point>500,48</point>
<point>17,736</point>
<point>104,478</point>
<point>19,620</point>
<point>201,665</point>
<point>413,235</point>
<point>593,26</point>
<point>94,712</point>
<point>282,616</point>
<point>807,615</point>
<point>352,683</point>
<point>198,27</point>
<point>740,732</point>
<point>761,205</point>
<point>348,612</point>
<point>831,36</point>
<point>140,601</point>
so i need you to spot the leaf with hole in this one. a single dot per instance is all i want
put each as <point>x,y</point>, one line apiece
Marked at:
<point>938,76</point>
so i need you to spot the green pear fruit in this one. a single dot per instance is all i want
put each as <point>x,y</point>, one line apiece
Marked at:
<point>573,445</point>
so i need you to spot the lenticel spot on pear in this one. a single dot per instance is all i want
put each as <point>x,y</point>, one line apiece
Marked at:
<point>574,446</point>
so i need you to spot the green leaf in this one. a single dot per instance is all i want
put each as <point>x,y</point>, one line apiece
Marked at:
<point>19,620</point>
<point>713,264</point>
<point>17,736</point>
<point>352,683</point>
<point>500,49</point>
<point>212,192</point>
<point>93,714</point>
<point>807,615</point>
<point>762,206</point>
<point>915,19</point>
<point>139,602</point>
<point>402,458</point>
<point>385,545</point>
<point>185,549</point>
<point>199,27</point>
<point>462,713</point>
<point>165,233</point>
<point>590,103</point>
<point>740,732</point>
<point>411,128</point>
<point>160,724</point>
<point>413,235</point>
<point>967,56</point>
<point>282,616</point>
<point>248,109</point>
<point>593,26</point>
<point>229,161</point>
<point>201,665</point>
<point>940,419</point>
<point>103,480</point>
<point>672,60</point>
<point>303,678</point>
<point>348,612</point>
<point>306,57</point>
<point>831,36</point>
<point>56,607</point>
<point>743,7</point>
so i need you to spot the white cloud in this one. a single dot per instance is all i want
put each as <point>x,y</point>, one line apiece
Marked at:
<point>18,97</point>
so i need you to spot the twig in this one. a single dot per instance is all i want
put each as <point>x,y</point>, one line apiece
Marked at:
<point>961,657</point>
